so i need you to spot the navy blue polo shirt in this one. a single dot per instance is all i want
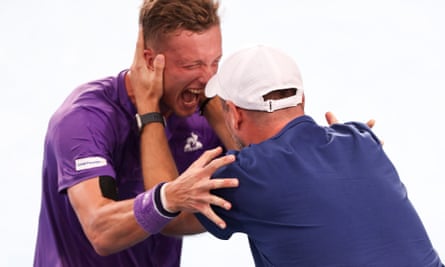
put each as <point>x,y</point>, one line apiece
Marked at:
<point>322,196</point>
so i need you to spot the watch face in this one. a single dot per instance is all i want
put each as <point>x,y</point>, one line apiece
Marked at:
<point>138,121</point>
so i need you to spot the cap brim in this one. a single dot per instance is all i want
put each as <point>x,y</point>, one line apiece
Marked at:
<point>212,88</point>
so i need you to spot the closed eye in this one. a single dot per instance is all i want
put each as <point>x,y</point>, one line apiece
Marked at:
<point>192,66</point>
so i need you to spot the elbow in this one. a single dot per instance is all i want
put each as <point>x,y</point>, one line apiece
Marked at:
<point>100,239</point>
<point>106,239</point>
<point>105,243</point>
<point>103,251</point>
<point>106,247</point>
<point>101,246</point>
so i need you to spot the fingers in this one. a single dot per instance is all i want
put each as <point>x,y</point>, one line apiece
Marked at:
<point>158,64</point>
<point>220,183</point>
<point>219,162</point>
<point>330,118</point>
<point>195,186</point>
<point>139,51</point>
<point>146,82</point>
<point>371,123</point>
<point>207,156</point>
<point>220,202</point>
<point>211,215</point>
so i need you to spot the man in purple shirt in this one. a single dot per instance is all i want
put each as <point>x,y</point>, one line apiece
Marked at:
<point>103,203</point>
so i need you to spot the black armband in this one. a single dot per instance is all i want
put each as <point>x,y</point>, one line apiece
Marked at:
<point>108,187</point>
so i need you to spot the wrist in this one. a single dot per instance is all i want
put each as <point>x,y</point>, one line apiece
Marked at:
<point>203,105</point>
<point>148,106</point>
<point>150,117</point>
<point>149,212</point>
<point>165,201</point>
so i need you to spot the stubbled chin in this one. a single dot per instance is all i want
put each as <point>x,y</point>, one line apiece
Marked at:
<point>185,112</point>
<point>184,108</point>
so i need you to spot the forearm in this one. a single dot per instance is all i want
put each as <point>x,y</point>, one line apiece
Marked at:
<point>214,114</point>
<point>114,228</point>
<point>146,86</point>
<point>185,224</point>
<point>156,159</point>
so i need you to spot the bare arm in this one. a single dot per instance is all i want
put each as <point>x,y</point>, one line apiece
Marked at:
<point>157,162</point>
<point>156,158</point>
<point>146,82</point>
<point>214,114</point>
<point>185,224</point>
<point>109,225</point>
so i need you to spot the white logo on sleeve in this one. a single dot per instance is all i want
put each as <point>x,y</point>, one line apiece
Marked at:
<point>89,163</point>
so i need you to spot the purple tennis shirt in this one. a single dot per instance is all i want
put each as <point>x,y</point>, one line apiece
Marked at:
<point>94,133</point>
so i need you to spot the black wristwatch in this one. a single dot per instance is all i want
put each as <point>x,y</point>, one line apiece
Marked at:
<point>147,118</point>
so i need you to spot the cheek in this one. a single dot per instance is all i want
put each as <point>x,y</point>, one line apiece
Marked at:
<point>176,80</point>
<point>172,83</point>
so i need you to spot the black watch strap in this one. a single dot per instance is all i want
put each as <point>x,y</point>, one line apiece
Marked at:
<point>147,118</point>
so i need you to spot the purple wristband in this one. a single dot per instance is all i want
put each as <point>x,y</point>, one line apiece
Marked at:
<point>147,213</point>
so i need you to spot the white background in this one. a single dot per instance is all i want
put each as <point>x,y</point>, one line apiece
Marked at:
<point>381,59</point>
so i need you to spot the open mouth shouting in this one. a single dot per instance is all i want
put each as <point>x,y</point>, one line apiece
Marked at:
<point>191,96</point>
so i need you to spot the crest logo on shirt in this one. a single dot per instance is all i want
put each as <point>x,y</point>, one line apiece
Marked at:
<point>192,143</point>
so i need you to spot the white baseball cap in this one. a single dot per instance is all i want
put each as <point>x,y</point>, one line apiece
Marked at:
<point>249,74</point>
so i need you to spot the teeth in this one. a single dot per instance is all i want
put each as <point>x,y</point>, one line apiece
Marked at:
<point>195,91</point>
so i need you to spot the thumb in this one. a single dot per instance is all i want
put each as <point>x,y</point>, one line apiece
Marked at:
<point>158,64</point>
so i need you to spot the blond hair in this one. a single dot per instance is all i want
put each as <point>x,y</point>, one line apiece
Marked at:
<point>159,18</point>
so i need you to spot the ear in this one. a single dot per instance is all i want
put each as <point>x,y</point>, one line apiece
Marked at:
<point>235,115</point>
<point>149,56</point>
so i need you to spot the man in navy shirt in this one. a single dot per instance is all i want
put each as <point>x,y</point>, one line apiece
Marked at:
<point>308,195</point>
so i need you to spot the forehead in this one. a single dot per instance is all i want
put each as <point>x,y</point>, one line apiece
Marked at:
<point>186,46</point>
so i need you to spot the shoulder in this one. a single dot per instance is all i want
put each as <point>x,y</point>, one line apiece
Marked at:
<point>355,129</point>
<point>248,160</point>
<point>95,104</point>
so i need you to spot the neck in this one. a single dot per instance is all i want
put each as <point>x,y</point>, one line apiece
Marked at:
<point>261,126</point>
